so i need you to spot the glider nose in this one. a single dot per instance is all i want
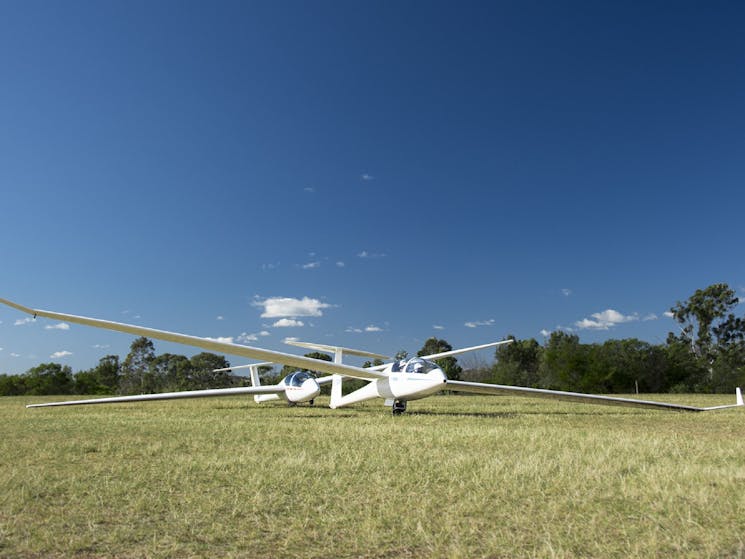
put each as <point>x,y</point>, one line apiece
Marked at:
<point>306,392</point>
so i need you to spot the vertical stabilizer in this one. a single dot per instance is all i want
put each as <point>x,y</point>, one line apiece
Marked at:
<point>738,393</point>
<point>256,381</point>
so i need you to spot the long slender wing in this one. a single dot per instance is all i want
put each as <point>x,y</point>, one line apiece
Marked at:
<point>466,349</point>
<point>482,388</point>
<point>209,344</point>
<point>275,389</point>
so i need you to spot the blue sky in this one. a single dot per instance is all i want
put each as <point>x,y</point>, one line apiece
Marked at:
<point>379,172</point>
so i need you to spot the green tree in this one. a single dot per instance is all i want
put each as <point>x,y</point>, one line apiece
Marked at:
<point>136,376</point>
<point>204,375</point>
<point>172,372</point>
<point>49,378</point>
<point>714,334</point>
<point>518,363</point>
<point>708,313</point>
<point>102,379</point>
<point>449,364</point>
<point>564,364</point>
<point>12,385</point>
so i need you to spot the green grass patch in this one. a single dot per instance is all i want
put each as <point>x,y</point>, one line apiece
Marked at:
<point>453,477</point>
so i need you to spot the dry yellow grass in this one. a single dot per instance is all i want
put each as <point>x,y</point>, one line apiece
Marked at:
<point>455,477</point>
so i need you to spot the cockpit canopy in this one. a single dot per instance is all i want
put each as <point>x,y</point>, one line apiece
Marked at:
<point>416,365</point>
<point>298,378</point>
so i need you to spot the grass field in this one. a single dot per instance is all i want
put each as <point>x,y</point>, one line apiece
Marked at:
<point>455,477</point>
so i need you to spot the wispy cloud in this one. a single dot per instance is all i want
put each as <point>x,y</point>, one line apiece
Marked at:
<point>311,265</point>
<point>220,317</point>
<point>101,346</point>
<point>479,323</point>
<point>288,323</point>
<point>373,328</point>
<point>58,326</point>
<point>290,339</point>
<point>340,264</point>
<point>353,330</point>
<point>367,177</point>
<point>289,307</point>
<point>270,266</point>
<point>668,314</point>
<point>566,292</point>
<point>367,254</point>
<point>59,354</point>
<point>309,189</point>
<point>23,321</point>
<point>605,320</point>
<point>650,316</point>
<point>545,333</point>
<point>438,327</point>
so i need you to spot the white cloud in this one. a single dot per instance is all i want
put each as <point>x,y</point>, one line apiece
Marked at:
<point>23,321</point>
<point>224,340</point>
<point>353,330</point>
<point>220,318</point>
<point>373,328</point>
<point>58,354</point>
<point>650,316</point>
<point>1,349</point>
<point>477,323</point>
<point>309,189</point>
<point>340,264</point>
<point>545,333</point>
<point>438,327</point>
<point>366,177</point>
<point>59,326</point>
<point>311,265</point>
<point>264,333</point>
<point>270,266</point>
<point>288,323</point>
<point>290,339</point>
<point>101,346</point>
<point>245,338</point>
<point>668,314</point>
<point>605,320</point>
<point>566,292</point>
<point>278,307</point>
<point>15,354</point>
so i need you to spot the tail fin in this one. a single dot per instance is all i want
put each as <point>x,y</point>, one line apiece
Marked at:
<point>256,381</point>
<point>738,394</point>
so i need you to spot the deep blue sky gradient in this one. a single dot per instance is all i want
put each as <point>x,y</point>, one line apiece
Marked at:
<point>520,164</point>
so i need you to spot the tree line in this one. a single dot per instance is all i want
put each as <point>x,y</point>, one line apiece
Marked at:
<point>706,355</point>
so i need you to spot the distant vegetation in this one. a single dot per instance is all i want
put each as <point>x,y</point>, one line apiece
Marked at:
<point>706,355</point>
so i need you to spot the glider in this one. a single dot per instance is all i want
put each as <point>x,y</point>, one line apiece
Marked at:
<point>397,382</point>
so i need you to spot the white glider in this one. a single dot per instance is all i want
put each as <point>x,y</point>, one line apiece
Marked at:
<point>396,382</point>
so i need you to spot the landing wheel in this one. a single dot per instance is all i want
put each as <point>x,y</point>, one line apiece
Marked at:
<point>311,402</point>
<point>399,407</point>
